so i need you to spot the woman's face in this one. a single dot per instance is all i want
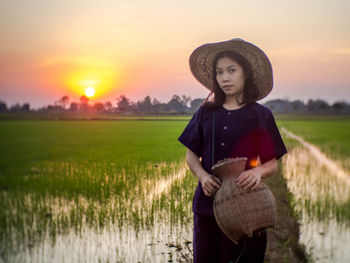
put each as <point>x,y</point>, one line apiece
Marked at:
<point>230,76</point>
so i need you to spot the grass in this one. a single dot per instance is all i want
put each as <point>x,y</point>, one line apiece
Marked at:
<point>330,135</point>
<point>23,142</point>
<point>58,176</point>
<point>91,116</point>
<point>283,239</point>
<point>61,176</point>
<point>30,149</point>
<point>319,197</point>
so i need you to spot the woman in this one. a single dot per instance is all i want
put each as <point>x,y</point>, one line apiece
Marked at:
<point>237,73</point>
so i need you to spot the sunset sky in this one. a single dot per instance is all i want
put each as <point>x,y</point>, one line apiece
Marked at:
<point>51,48</point>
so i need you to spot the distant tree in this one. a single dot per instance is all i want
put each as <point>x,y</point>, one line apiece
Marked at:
<point>144,105</point>
<point>298,105</point>
<point>84,100</point>
<point>147,101</point>
<point>64,101</point>
<point>3,106</point>
<point>157,106</point>
<point>155,102</point>
<point>311,105</point>
<point>108,106</point>
<point>186,100</point>
<point>84,103</point>
<point>176,98</point>
<point>98,107</point>
<point>132,106</point>
<point>54,108</point>
<point>321,105</point>
<point>74,106</point>
<point>339,106</point>
<point>124,104</point>
<point>196,103</point>
<point>278,105</point>
<point>15,108</point>
<point>25,107</point>
<point>176,105</point>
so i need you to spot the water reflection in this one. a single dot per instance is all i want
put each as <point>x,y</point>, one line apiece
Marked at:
<point>321,196</point>
<point>328,241</point>
<point>311,179</point>
<point>111,244</point>
<point>149,221</point>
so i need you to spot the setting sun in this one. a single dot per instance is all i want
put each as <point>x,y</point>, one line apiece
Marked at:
<point>99,76</point>
<point>89,92</point>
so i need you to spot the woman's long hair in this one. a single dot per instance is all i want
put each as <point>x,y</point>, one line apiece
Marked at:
<point>216,97</point>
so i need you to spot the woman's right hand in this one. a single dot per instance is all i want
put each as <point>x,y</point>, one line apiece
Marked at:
<point>210,183</point>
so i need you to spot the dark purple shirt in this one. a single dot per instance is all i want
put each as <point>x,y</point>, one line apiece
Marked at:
<point>249,131</point>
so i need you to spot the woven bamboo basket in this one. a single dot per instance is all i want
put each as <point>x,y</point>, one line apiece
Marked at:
<point>240,212</point>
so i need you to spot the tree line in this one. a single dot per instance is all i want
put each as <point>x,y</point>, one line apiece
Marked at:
<point>122,104</point>
<point>177,104</point>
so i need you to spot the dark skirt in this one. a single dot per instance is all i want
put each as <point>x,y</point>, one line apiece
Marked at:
<point>211,245</point>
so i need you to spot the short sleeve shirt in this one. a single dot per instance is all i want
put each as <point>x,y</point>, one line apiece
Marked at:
<point>249,131</point>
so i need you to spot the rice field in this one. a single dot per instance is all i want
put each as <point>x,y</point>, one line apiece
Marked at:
<point>59,179</point>
<point>318,175</point>
<point>119,191</point>
<point>331,135</point>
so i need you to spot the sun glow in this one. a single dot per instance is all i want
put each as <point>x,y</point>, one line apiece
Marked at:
<point>89,92</point>
<point>93,77</point>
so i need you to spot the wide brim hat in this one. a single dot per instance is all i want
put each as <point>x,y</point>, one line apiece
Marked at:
<point>201,61</point>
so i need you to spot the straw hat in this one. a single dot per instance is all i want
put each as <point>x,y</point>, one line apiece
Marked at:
<point>202,57</point>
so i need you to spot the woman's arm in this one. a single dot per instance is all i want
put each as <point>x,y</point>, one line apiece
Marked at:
<point>210,183</point>
<point>250,179</point>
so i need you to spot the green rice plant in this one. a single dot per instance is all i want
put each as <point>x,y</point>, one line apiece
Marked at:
<point>331,135</point>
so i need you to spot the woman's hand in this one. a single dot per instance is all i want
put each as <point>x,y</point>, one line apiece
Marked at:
<point>249,179</point>
<point>210,183</point>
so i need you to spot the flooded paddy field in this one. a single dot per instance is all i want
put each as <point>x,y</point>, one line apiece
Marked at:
<point>318,175</point>
<point>94,192</point>
<point>119,191</point>
<point>138,224</point>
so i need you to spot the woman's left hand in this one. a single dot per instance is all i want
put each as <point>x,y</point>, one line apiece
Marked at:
<point>249,179</point>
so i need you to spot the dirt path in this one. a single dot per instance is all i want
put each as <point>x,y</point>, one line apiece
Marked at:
<point>331,165</point>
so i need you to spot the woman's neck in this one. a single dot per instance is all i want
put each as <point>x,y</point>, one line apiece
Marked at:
<point>232,103</point>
